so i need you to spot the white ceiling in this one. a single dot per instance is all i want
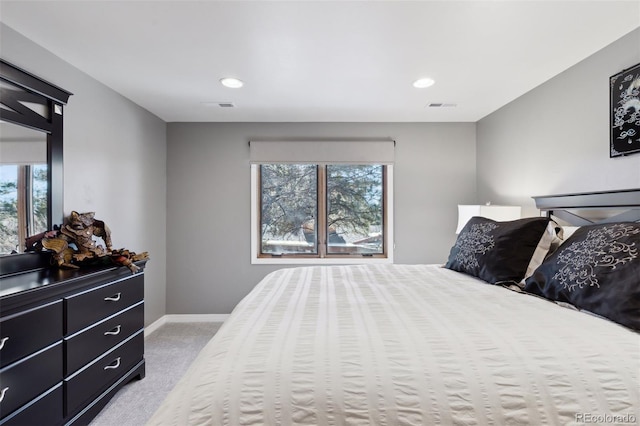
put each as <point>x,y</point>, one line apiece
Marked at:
<point>322,60</point>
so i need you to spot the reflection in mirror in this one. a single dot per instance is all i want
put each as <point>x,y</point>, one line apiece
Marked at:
<point>23,185</point>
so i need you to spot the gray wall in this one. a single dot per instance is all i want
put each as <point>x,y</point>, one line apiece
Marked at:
<point>140,174</point>
<point>208,200</point>
<point>115,160</point>
<point>555,139</point>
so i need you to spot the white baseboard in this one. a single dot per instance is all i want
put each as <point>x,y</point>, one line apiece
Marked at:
<point>196,317</point>
<point>154,326</point>
<point>184,318</point>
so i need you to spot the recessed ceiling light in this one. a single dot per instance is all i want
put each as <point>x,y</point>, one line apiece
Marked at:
<point>423,82</point>
<point>234,83</point>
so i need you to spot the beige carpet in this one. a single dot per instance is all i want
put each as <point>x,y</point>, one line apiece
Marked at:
<point>168,352</point>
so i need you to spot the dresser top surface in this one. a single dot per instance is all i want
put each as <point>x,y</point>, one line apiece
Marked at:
<point>31,280</point>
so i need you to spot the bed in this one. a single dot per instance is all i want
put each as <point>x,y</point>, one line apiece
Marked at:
<point>427,344</point>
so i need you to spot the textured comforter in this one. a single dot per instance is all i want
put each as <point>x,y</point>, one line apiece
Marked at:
<point>406,345</point>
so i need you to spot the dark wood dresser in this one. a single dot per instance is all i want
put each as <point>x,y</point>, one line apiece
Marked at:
<point>69,339</point>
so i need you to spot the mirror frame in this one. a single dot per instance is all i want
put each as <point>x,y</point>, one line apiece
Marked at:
<point>54,97</point>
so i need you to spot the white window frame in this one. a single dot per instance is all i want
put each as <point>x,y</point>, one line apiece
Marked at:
<point>256,259</point>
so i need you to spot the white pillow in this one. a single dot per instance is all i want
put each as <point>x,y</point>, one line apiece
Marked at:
<point>568,231</point>
<point>552,237</point>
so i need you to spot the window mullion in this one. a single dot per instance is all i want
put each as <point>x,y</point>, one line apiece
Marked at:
<point>322,211</point>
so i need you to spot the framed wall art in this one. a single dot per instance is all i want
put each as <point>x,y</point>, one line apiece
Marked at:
<point>625,112</point>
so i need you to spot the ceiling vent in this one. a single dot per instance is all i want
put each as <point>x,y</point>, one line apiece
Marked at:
<point>441,105</point>
<point>219,104</point>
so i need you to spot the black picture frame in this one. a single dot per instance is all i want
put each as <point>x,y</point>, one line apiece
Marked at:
<point>625,112</point>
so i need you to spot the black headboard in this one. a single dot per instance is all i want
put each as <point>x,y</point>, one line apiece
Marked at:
<point>576,208</point>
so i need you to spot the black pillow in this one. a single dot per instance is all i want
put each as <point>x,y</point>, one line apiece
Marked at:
<point>596,269</point>
<point>497,252</point>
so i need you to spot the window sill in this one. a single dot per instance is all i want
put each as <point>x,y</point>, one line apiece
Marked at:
<point>320,261</point>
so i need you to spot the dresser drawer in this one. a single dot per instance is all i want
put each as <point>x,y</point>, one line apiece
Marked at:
<point>29,331</point>
<point>83,347</point>
<point>87,383</point>
<point>45,410</point>
<point>24,380</point>
<point>84,309</point>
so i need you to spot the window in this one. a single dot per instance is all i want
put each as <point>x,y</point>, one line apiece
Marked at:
<point>288,209</point>
<point>326,201</point>
<point>355,209</point>
<point>333,213</point>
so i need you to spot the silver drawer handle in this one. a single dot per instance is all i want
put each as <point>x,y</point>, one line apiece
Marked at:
<point>113,366</point>
<point>113,298</point>
<point>114,331</point>
<point>2,342</point>
<point>2,392</point>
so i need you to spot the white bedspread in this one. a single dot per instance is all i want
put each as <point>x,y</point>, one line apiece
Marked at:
<point>406,345</point>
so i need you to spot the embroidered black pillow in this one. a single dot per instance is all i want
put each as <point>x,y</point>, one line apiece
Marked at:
<point>596,269</point>
<point>497,252</point>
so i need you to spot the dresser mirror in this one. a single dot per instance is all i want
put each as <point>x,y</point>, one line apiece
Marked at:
<point>31,181</point>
